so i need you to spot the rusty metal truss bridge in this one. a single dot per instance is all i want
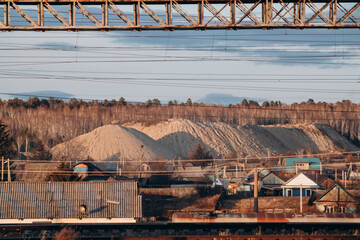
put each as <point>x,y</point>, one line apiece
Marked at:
<point>136,15</point>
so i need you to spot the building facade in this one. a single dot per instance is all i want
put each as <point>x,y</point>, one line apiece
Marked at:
<point>300,185</point>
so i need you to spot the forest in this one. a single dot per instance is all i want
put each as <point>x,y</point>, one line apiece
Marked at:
<point>47,122</point>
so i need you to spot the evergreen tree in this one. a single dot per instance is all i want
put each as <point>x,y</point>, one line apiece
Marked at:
<point>266,104</point>
<point>156,102</point>
<point>188,102</point>
<point>6,149</point>
<point>122,101</point>
<point>245,103</point>
<point>253,103</point>
<point>33,102</point>
<point>63,173</point>
<point>40,153</point>
<point>149,103</point>
<point>199,153</point>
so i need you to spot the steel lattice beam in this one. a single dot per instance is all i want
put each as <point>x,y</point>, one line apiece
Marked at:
<point>103,15</point>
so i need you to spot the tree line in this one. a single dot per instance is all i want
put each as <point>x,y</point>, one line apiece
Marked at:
<point>43,123</point>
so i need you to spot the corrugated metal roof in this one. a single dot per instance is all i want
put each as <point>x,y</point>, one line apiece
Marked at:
<point>63,199</point>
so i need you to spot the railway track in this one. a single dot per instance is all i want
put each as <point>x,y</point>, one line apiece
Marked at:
<point>191,231</point>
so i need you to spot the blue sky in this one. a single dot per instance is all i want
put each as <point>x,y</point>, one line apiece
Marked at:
<point>286,65</point>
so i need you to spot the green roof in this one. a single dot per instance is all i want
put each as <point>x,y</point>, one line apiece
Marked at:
<point>313,162</point>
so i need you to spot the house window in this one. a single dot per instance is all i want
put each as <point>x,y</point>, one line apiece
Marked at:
<point>302,166</point>
<point>289,192</point>
<point>330,209</point>
<point>307,192</point>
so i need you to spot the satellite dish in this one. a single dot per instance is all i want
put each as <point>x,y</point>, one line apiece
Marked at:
<point>82,209</point>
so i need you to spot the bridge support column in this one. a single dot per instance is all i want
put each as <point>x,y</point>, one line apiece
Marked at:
<point>270,12</point>
<point>333,12</point>
<point>296,14</point>
<point>7,18</point>
<point>267,12</point>
<point>168,7</point>
<point>263,11</point>
<point>302,12</point>
<point>105,13</point>
<point>201,12</point>
<point>233,12</point>
<point>41,14</point>
<point>72,14</point>
<point>137,13</point>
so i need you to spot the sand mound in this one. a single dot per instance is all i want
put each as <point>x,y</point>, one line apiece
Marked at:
<point>254,141</point>
<point>175,138</point>
<point>113,142</point>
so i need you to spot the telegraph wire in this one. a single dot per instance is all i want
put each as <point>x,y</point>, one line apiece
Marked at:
<point>273,60</point>
<point>198,74</point>
<point>248,78</point>
<point>239,159</point>
<point>207,170</point>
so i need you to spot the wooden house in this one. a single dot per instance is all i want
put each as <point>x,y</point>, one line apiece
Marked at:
<point>303,164</point>
<point>337,199</point>
<point>326,182</point>
<point>275,180</point>
<point>301,183</point>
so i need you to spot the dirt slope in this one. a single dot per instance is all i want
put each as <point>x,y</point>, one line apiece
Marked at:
<point>254,141</point>
<point>113,142</point>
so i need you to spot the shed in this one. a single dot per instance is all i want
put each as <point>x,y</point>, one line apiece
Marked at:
<point>70,202</point>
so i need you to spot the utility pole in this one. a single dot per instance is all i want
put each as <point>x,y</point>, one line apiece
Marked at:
<point>237,175</point>
<point>256,200</point>
<point>335,174</point>
<point>9,175</point>
<point>345,175</point>
<point>2,169</point>
<point>320,169</point>
<point>118,169</point>
<point>301,205</point>
<point>216,171</point>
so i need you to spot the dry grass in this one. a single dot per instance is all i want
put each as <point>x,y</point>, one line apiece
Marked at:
<point>204,204</point>
<point>65,234</point>
<point>268,204</point>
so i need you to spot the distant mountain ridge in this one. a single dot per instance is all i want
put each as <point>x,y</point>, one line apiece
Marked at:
<point>225,99</point>
<point>41,94</point>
